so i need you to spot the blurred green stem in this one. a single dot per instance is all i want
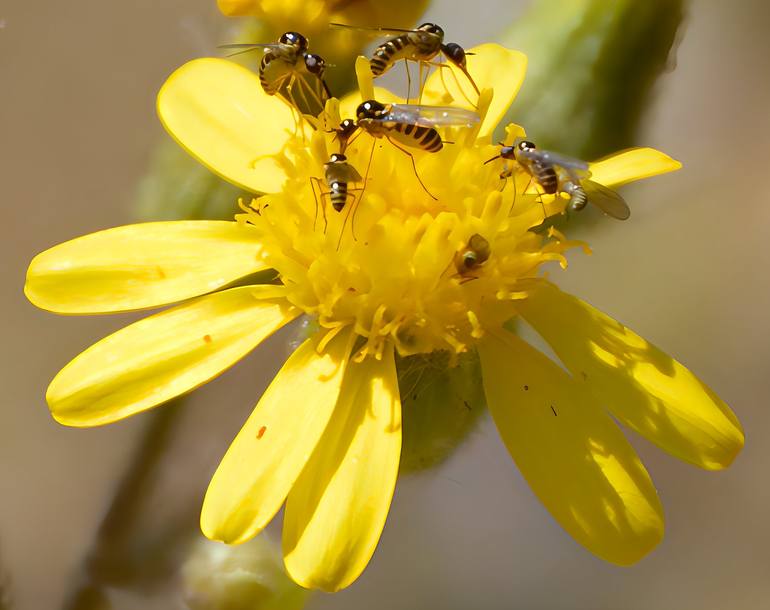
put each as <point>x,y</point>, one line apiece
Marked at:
<point>593,65</point>
<point>108,552</point>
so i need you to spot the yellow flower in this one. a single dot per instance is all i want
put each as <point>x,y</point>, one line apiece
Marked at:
<point>313,16</point>
<point>325,438</point>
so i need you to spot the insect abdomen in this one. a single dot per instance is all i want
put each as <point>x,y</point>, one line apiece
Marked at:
<point>578,200</point>
<point>387,53</point>
<point>546,177</point>
<point>338,195</point>
<point>425,138</point>
<point>270,87</point>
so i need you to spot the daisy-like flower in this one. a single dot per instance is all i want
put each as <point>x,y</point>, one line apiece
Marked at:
<point>387,275</point>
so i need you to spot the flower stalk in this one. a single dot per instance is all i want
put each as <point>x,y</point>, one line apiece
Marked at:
<point>593,66</point>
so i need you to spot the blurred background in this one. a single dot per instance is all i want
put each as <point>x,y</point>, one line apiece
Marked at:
<point>688,272</point>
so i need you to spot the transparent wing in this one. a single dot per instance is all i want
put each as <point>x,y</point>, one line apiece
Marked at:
<point>247,47</point>
<point>607,200</point>
<point>376,32</point>
<point>342,172</point>
<point>552,158</point>
<point>431,116</point>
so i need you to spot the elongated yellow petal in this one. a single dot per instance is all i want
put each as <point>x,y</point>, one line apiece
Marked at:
<point>140,266</point>
<point>165,355</point>
<point>275,443</point>
<point>572,454</point>
<point>337,508</point>
<point>218,112</point>
<point>492,67</point>
<point>642,386</point>
<point>631,165</point>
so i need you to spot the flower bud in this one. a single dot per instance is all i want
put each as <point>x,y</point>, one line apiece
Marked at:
<point>248,576</point>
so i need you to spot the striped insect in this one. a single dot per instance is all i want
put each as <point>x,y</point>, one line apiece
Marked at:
<point>287,65</point>
<point>411,126</point>
<point>339,174</point>
<point>422,45</point>
<point>555,173</point>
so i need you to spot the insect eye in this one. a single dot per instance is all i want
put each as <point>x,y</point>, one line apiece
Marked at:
<point>336,158</point>
<point>369,109</point>
<point>314,63</point>
<point>295,39</point>
<point>469,260</point>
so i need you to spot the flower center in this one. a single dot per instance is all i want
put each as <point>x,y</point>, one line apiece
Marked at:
<point>426,259</point>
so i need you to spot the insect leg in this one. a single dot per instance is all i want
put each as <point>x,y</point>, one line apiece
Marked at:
<point>414,167</point>
<point>314,181</point>
<point>445,66</point>
<point>408,81</point>
<point>355,203</point>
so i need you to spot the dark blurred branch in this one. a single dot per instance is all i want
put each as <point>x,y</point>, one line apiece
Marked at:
<point>593,65</point>
<point>107,561</point>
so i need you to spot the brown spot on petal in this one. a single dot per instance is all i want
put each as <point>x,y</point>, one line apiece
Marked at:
<point>261,432</point>
<point>207,338</point>
<point>526,388</point>
<point>161,273</point>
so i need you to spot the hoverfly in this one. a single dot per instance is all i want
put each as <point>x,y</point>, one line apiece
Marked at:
<point>411,125</point>
<point>555,173</point>
<point>287,63</point>
<point>422,45</point>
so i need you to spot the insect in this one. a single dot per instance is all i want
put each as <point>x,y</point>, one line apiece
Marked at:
<point>422,45</point>
<point>338,175</point>
<point>287,63</point>
<point>473,255</point>
<point>344,133</point>
<point>555,173</point>
<point>411,125</point>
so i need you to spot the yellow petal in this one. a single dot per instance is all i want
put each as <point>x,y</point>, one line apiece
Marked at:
<point>631,165</point>
<point>218,112</point>
<point>165,355</point>
<point>571,453</point>
<point>492,67</point>
<point>642,386</point>
<point>275,443</point>
<point>142,265</point>
<point>337,508</point>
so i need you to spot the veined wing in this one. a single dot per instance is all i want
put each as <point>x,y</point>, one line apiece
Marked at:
<point>607,200</point>
<point>431,116</point>
<point>377,32</point>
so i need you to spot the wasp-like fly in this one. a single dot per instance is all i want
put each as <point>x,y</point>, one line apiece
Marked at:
<point>287,65</point>
<point>421,45</point>
<point>411,125</point>
<point>555,173</point>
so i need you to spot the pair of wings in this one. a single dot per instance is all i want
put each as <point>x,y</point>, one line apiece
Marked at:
<point>604,198</point>
<point>430,116</point>
<point>377,32</point>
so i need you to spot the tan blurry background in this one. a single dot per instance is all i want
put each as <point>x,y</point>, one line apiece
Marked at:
<point>689,272</point>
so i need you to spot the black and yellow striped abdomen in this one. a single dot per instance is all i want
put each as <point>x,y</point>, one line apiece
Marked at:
<point>338,193</point>
<point>415,136</point>
<point>388,53</point>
